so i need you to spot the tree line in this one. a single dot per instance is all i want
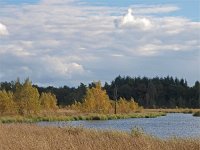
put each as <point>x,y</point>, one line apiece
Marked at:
<point>97,100</point>
<point>24,99</point>
<point>167,92</point>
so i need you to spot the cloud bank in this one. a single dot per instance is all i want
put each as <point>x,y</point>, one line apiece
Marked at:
<point>65,42</point>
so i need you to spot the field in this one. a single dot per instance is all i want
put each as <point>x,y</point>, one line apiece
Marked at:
<point>26,136</point>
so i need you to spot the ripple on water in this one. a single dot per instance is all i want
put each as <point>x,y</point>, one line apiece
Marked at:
<point>174,124</point>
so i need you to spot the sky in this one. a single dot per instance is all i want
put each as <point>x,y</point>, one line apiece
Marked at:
<point>66,42</point>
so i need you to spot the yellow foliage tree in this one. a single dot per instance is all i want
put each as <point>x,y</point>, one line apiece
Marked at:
<point>76,106</point>
<point>96,100</point>
<point>124,106</point>
<point>48,101</point>
<point>133,105</point>
<point>7,104</point>
<point>27,98</point>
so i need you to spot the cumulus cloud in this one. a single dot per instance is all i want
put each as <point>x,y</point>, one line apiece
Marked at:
<point>129,20</point>
<point>61,67</point>
<point>3,29</point>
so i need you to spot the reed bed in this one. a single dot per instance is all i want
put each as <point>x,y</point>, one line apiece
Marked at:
<point>33,137</point>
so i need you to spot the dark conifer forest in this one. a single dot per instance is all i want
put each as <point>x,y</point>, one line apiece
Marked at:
<point>167,92</point>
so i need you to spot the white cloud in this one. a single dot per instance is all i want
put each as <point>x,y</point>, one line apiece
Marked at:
<point>61,67</point>
<point>117,55</point>
<point>129,20</point>
<point>50,2</point>
<point>3,30</point>
<point>60,41</point>
<point>154,9</point>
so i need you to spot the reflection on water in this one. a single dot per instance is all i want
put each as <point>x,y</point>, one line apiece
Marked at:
<point>174,124</point>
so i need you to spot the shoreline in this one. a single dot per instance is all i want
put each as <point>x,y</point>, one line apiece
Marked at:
<point>67,115</point>
<point>33,119</point>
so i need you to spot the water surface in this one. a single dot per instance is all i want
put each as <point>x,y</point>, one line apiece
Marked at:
<point>174,124</point>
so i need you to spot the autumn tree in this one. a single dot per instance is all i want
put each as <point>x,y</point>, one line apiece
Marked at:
<point>26,97</point>
<point>7,104</point>
<point>48,101</point>
<point>124,106</point>
<point>133,105</point>
<point>96,100</point>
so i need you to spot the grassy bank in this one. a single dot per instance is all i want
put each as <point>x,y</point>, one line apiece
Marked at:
<point>72,115</point>
<point>196,114</point>
<point>30,119</point>
<point>176,110</point>
<point>23,137</point>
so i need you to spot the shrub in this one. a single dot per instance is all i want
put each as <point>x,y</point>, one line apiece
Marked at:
<point>137,132</point>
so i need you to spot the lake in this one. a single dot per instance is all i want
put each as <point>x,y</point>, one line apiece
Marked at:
<point>173,124</point>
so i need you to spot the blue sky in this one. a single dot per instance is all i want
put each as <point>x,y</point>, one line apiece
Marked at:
<point>19,1</point>
<point>65,42</point>
<point>188,8</point>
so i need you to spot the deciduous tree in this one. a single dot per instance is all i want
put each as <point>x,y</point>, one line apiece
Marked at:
<point>48,101</point>
<point>27,98</point>
<point>96,100</point>
<point>7,104</point>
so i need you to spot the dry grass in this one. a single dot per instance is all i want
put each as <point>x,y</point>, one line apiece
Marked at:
<point>32,137</point>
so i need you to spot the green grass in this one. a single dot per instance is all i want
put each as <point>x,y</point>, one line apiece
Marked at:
<point>176,110</point>
<point>32,119</point>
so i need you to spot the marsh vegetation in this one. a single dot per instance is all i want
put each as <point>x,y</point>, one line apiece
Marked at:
<point>24,136</point>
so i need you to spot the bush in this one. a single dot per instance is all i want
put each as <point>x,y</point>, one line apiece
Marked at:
<point>124,106</point>
<point>137,132</point>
